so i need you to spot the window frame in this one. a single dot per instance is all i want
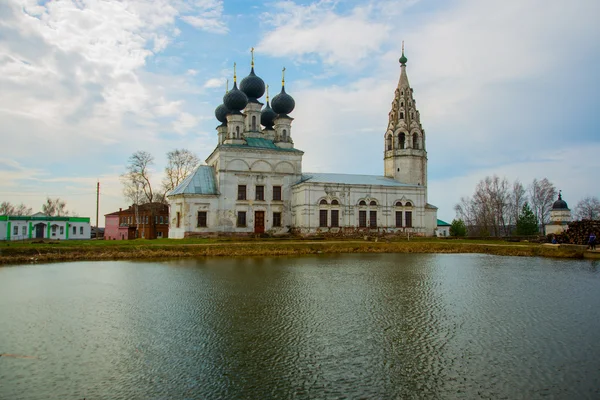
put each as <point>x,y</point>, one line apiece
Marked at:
<point>335,218</point>
<point>277,219</point>
<point>241,221</point>
<point>202,219</point>
<point>323,217</point>
<point>242,193</point>
<point>399,220</point>
<point>408,219</point>
<point>362,218</point>
<point>260,194</point>
<point>277,193</point>
<point>372,219</point>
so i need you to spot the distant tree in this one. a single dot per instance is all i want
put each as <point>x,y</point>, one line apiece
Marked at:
<point>137,184</point>
<point>180,163</point>
<point>542,194</point>
<point>458,228</point>
<point>588,208</point>
<point>517,198</point>
<point>527,224</point>
<point>6,208</point>
<point>55,207</point>
<point>22,210</point>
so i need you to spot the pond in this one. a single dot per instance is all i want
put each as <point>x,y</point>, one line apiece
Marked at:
<point>341,326</point>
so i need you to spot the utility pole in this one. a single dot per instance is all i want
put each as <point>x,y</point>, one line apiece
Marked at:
<point>97,205</point>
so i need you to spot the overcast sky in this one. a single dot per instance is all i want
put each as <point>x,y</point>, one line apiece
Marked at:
<point>506,87</point>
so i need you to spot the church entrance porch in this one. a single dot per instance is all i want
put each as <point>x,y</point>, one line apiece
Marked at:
<point>259,222</point>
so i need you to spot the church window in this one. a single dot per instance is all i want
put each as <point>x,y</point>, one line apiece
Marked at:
<point>237,132</point>
<point>403,93</point>
<point>362,219</point>
<point>178,219</point>
<point>260,192</point>
<point>254,122</point>
<point>373,203</point>
<point>285,135</point>
<point>277,193</point>
<point>398,204</point>
<point>276,219</point>
<point>398,219</point>
<point>389,142</point>
<point>401,115</point>
<point>373,219</point>
<point>415,141</point>
<point>241,192</point>
<point>322,218</point>
<point>402,104</point>
<point>323,202</point>
<point>412,115</point>
<point>202,217</point>
<point>401,140</point>
<point>408,217</point>
<point>362,203</point>
<point>408,204</point>
<point>335,203</point>
<point>335,218</point>
<point>241,218</point>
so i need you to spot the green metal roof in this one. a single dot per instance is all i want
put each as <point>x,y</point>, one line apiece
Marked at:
<point>201,181</point>
<point>442,223</point>
<point>259,143</point>
<point>42,218</point>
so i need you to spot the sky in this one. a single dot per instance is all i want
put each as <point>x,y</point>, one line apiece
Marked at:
<point>508,88</point>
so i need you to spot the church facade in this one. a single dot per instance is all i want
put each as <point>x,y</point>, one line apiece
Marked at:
<point>253,181</point>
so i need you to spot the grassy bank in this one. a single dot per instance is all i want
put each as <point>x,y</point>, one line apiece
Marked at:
<point>25,252</point>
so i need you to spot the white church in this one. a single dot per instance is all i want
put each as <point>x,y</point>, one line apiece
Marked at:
<point>253,181</point>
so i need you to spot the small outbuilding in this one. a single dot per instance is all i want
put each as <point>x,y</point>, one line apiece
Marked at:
<point>443,228</point>
<point>41,226</point>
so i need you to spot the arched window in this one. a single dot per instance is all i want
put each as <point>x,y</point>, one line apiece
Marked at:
<point>284,135</point>
<point>362,203</point>
<point>398,204</point>
<point>403,93</point>
<point>254,122</point>
<point>402,104</point>
<point>237,132</point>
<point>415,141</point>
<point>408,204</point>
<point>401,140</point>
<point>373,203</point>
<point>323,202</point>
<point>389,142</point>
<point>412,115</point>
<point>335,203</point>
<point>401,115</point>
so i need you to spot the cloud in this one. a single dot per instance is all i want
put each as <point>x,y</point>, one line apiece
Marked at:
<point>208,16</point>
<point>317,30</point>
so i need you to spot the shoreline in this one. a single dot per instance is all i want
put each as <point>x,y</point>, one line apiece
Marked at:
<point>72,251</point>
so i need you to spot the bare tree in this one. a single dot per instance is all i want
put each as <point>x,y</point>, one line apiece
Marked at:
<point>180,163</point>
<point>55,207</point>
<point>6,208</point>
<point>23,210</point>
<point>542,194</point>
<point>588,208</point>
<point>137,184</point>
<point>516,201</point>
<point>486,213</point>
<point>137,187</point>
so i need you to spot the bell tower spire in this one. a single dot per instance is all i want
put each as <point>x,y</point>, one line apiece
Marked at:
<point>405,155</point>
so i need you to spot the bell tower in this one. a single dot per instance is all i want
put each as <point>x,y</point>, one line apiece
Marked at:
<point>405,155</point>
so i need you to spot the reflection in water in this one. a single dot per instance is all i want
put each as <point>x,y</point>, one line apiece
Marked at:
<point>370,326</point>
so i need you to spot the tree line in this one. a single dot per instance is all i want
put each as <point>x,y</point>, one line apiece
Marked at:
<point>53,207</point>
<point>501,208</point>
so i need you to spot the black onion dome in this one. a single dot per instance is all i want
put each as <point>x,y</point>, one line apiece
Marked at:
<point>283,103</point>
<point>221,114</point>
<point>560,204</point>
<point>235,100</point>
<point>253,86</point>
<point>267,116</point>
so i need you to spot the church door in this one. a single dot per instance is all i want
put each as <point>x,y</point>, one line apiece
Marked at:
<point>39,231</point>
<point>259,222</point>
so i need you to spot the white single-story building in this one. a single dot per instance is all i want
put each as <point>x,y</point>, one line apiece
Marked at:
<point>41,226</point>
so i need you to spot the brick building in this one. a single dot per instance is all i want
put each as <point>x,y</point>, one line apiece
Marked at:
<point>145,221</point>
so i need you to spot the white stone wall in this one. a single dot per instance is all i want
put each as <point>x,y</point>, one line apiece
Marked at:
<point>308,195</point>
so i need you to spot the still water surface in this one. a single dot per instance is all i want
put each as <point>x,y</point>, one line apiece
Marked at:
<point>374,326</point>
